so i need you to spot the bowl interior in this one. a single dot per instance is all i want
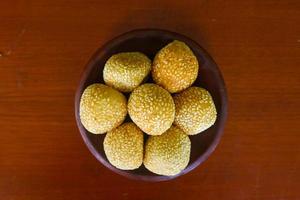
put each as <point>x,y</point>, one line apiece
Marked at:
<point>150,42</point>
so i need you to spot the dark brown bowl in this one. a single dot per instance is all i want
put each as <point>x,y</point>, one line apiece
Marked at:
<point>149,41</point>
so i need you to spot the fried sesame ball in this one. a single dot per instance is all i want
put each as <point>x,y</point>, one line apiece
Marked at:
<point>102,108</point>
<point>175,67</point>
<point>151,108</point>
<point>195,110</point>
<point>126,71</point>
<point>167,154</point>
<point>123,146</point>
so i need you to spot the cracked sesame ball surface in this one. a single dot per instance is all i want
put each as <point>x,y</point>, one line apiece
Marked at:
<point>123,146</point>
<point>195,110</point>
<point>151,108</point>
<point>126,71</point>
<point>102,108</point>
<point>175,67</point>
<point>167,154</point>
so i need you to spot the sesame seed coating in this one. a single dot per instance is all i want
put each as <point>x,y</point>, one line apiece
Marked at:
<point>151,108</point>
<point>195,110</point>
<point>175,67</point>
<point>102,108</point>
<point>168,154</point>
<point>126,71</point>
<point>123,146</point>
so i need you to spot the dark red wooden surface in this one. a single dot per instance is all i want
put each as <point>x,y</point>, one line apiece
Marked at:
<point>45,45</point>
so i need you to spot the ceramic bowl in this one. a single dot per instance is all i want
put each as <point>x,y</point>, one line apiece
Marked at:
<point>149,42</point>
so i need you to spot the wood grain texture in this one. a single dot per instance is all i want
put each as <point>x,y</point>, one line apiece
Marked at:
<point>45,45</point>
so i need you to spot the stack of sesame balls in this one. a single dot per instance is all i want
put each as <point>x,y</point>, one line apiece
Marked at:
<point>168,110</point>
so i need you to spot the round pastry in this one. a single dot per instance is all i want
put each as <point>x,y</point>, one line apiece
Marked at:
<point>126,71</point>
<point>168,154</point>
<point>102,108</point>
<point>195,110</point>
<point>151,108</point>
<point>175,67</point>
<point>123,146</point>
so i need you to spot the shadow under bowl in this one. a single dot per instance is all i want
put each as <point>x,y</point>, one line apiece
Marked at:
<point>149,42</point>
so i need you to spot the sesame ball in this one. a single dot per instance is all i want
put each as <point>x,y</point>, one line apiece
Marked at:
<point>123,146</point>
<point>168,154</point>
<point>102,108</point>
<point>195,110</point>
<point>126,71</point>
<point>175,67</point>
<point>151,108</point>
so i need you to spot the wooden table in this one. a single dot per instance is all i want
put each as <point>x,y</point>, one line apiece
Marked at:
<point>45,45</point>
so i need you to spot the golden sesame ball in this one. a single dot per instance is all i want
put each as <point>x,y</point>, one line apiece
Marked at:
<point>123,146</point>
<point>175,67</point>
<point>168,154</point>
<point>102,108</point>
<point>151,108</point>
<point>195,110</point>
<point>126,71</point>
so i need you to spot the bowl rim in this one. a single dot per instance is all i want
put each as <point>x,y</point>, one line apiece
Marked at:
<point>88,68</point>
